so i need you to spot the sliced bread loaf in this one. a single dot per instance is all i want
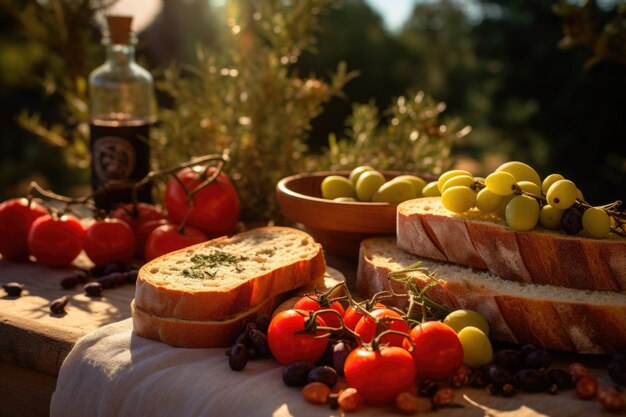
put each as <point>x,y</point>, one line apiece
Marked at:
<point>425,228</point>
<point>196,333</point>
<point>553,317</point>
<point>223,277</point>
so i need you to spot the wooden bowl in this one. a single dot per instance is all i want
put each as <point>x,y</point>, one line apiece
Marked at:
<point>338,226</point>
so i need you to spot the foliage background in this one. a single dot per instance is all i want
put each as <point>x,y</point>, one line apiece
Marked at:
<point>503,73</point>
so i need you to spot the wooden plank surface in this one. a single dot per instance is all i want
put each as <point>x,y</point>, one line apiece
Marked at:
<point>32,337</point>
<point>24,393</point>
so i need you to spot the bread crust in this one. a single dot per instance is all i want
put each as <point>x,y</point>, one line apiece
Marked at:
<point>194,333</point>
<point>215,303</point>
<point>555,324</point>
<point>425,228</point>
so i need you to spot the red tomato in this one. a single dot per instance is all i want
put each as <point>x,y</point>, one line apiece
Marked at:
<point>352,315</point>
<point>56,242</point>
<point>288,344</point>
<point>312,304</point>
<point>141,235</point>
<point>16,218</point>
<point>438,353</point>
<point>215,207</point>
<point>108,241</point>
<point>144,213</point>
<point>166,238</point>
<point>366,327</point>
<point>380,375</point>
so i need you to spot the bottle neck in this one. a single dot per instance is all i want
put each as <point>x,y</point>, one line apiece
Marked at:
<point>120,54</point>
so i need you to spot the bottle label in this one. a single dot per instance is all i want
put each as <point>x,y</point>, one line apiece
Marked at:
<point>113,159</point>
<point>120,155</point>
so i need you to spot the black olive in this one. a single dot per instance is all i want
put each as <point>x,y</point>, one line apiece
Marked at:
<point>93,289</point>
<point>561,378</point>
<point>263,322</point>
<point>531,380</point>
<point>499,376</point>
<point>97,271</point>
<point>81,275</point>
<point>114,267</point>
<point>259,343</point>
<point>58,306</point>
<point>341,350</point>
<point>572,221</point>
<point>324,374</point>
<point>509,359</point>
<point>69,282</point>
<point>238,357</point>
<point>617,372</point>
<point>428,389</point>
<point>537,359</point>
<point>131,276</point>
<point>296,374</point>
<point>13,289</point>
<point>527,348</point>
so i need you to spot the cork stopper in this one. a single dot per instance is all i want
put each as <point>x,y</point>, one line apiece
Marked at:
<point>119,29</point>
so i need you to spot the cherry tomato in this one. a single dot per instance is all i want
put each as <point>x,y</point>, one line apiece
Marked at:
<point>166,238</point>
<point>16,218</point>
<point>56,242</point>
<point>286,342</point>
<point>352,315</point>
<point>141,235</point>
<point>380,375</point>
<point>108,241</point>
<point>438,353</point>
<point>311,303</point>
<point>215,207</point>
<point>144,213</point>
<point>366,327</point>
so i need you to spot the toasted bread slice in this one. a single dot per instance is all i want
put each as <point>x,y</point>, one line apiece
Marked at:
<point>553,317</point>
<point>225,276</point>
<point>425,228</point>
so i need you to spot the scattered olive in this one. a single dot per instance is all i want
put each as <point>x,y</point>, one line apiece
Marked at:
<point>70,282</point>
<point>527,348</point>
<point>349,399</point>
<point>341,350</point>
<point>81,275</point>
<point>106,281</point>
<point>316,393</point>
<point>577,371</point>
<point>13,289</point>
<point>131,276</point>
<point>561,378</point>
<point>263,322</point>
<point>499,376</point>
<point>238,357</point>
<point>407,402</point>
<point>428,388</point>
<point>296,374</point>
<point>259,343</point>
<point>244,339</point>
<point>611,399</point>
<point>250,326</point>
<point>324,374</point>
<point>531,380</point>
<point>443,397</point>
<point>114,267</point>
<point>509,359</point>
<point>587,387</point>
<point>58,306</point>
<point>97,271</point>
<point>617,372</point>
<point>537,359</point>
<point>93,289</point>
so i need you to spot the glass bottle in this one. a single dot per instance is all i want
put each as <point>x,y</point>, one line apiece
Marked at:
<point>121,95</point>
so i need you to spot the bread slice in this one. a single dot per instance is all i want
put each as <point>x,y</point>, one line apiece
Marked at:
<point>425,228</point>
<point>196,333</point>
<point>553,317</point>
<point>225,276</point>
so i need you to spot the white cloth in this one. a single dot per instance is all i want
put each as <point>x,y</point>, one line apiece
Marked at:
<point>112,372</point>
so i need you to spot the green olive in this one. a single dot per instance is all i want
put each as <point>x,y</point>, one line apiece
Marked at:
<point>335,186</point>
<point>368,183</point>
<point>356,173</point>
<point>417,182</point>
<point>395,192</point>
<point>431,190</point>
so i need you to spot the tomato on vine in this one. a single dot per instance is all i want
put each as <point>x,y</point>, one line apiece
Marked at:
<point>108,241</point>
<point>56,241</point>
<point>437,352</point>
<point>16,219</point>
<point>352,315</point>
<point>135,216</point>
<point>291,337</point>
<point>215,208</point>
<point>168,238</point>
<point>367,327</point>
<point>380,374</point>
<point>314,303</point>
<point>143,232</point>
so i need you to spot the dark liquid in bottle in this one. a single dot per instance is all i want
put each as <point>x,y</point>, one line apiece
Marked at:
<point>120,156</point>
